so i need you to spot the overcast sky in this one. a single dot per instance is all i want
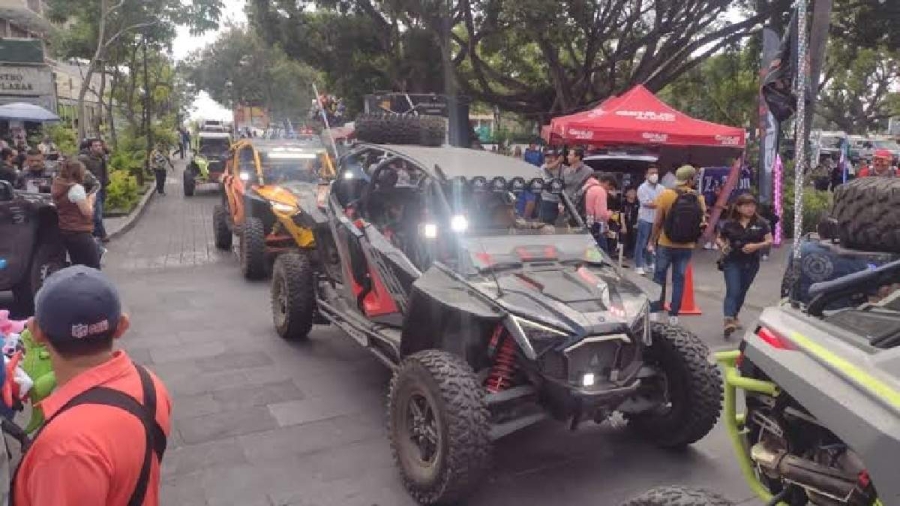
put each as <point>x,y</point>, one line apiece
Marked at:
<point>204,107</point>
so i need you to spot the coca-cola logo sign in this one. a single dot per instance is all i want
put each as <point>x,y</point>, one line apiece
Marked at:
<point>648,115</point>
<point>580,134</point>
<point>655,137</point>
<point>729,140</point>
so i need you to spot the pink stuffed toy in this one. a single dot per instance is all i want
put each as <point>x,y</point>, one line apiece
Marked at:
<point>8,326</point>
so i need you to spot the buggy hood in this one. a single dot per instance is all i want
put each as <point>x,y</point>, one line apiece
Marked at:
<point>559,280</point>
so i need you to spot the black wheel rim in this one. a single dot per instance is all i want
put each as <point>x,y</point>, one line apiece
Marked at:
<point>420,435</point>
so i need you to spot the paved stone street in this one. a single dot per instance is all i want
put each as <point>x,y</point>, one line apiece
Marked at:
<point>258,421</point>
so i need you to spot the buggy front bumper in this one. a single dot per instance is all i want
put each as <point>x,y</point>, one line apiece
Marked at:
<point>735,422</point>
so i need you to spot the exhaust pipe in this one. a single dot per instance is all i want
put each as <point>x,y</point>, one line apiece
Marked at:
<point>814,477</point>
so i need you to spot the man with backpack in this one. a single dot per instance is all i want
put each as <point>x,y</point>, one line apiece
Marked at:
<point>109,418</point>
<point>680,221</point>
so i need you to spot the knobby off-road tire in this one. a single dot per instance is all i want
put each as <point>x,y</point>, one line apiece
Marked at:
<point>190,184</point>
<point>253,248</point>
<point>694,389</point>
<point>448,388</point>
<point>293,296</point>
<point>678,496</point>
<point>868,214</point>
<point>398,129</point>
<point>221,231</point>
<point>49,257</point>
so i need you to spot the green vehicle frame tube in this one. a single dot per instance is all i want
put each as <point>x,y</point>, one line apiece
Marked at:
<point>735,422</point>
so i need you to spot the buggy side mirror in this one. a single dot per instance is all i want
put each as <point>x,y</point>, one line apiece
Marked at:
<point>6,191</point>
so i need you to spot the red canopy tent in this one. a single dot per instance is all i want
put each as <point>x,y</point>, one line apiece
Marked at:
<point>638,117</point>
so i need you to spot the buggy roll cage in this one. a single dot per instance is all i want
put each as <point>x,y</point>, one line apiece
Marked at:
<point>828,291</point>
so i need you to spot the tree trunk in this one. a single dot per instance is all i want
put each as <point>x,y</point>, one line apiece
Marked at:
<point>148,130</point>
<point>114,85</point>
<point>86,83</point>
<point>100,100</point>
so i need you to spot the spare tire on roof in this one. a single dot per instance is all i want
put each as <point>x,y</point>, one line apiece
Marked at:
<point>401,129</point>
<point>868,214</point>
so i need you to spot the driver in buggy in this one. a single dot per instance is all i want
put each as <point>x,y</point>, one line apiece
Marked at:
<point>500,212</point>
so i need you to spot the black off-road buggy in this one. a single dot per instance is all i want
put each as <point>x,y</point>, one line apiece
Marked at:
<point>490,323</point>
<point>30,245</point>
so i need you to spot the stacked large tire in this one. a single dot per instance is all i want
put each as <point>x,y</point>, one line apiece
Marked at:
<point>401,129</point>
<point>868,214</point>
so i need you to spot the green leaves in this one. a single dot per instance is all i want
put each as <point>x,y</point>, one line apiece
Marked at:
<point>239,68</point>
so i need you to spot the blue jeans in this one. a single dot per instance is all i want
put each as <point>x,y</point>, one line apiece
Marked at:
<point>738,278</point>
<point>99,229</point>
<point>644,229</point>
<point>678,258</point>
<point>599,237</point>
<point>549,211</point>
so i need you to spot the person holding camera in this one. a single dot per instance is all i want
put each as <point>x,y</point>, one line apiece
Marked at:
<point>75,208</point>
<point>742,238</point>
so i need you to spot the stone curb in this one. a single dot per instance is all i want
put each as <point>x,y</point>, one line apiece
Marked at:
<point>131,219</point>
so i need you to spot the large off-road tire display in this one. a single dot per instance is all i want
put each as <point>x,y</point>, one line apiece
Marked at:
<point>868,214</point>
<point>49,257</point>
<point>439,427</point>
<point>293,296</point>
<point>678,496</point>
<point>222,233</point>
<point>190,184</point>
<point>693,389</point>
<point>399,129</point>
<point>253,248</point>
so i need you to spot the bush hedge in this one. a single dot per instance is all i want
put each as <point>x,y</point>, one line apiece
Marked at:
<point>123,192</point>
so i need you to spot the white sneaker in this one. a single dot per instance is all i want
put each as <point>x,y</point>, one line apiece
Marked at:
<point>651,268</point>
<point>673,321</point>
<point>639,271</point>
<point>765,258</point>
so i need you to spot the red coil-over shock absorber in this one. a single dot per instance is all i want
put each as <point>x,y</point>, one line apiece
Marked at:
<point>504,369</point>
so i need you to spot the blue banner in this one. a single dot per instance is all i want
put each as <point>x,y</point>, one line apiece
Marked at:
<point>712,180</point>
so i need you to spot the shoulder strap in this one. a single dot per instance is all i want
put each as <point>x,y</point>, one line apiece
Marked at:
<point>155,438</point>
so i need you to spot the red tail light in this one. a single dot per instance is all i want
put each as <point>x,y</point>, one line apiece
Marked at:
<point>773,339</point>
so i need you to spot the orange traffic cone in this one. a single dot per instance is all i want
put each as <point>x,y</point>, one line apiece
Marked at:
<point>688,305</point>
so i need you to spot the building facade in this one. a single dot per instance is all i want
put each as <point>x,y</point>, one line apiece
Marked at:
<point>25,75</point>
<point>29,74</point>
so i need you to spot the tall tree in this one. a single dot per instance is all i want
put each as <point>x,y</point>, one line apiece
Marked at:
<point>859,94</point>
<point>238,68</point>
<point>536,57</point>
<point>723,89</point>
<point>94,28</point>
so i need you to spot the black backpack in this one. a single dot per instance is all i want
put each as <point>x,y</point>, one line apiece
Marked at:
<point>684,219</point>
<point>155,437</point>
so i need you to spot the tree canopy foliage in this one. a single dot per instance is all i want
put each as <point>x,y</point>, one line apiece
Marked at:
<point>239,68</point>
<point>860,93</point>
<point>536,57</point>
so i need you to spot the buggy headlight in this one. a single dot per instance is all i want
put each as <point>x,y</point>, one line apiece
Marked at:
<point>537,331</point>
<point>641,328</point>
<point>283,208</point>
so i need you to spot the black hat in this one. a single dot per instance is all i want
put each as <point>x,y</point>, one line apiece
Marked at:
<point>78,303</point>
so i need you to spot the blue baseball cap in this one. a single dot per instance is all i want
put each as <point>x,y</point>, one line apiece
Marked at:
<point>78,303</point>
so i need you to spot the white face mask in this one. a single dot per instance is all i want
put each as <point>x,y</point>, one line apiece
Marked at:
<point>653,178</point>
